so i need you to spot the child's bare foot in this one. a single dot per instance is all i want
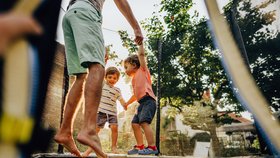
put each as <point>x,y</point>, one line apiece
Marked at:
<point>91,141</point>
<point>114,150</point>
<point>106,156</point>
<point>87,152</point>
<point>68,142</point>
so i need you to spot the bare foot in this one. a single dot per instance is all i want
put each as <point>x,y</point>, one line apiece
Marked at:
<point>114,150</point>
<point>87,152</point>
<point>91,141</point>
<point>106,156</point>
<point>68,142</point>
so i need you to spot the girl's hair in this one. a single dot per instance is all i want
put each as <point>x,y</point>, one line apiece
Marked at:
<point>111,71</point>
<point>133,59</point>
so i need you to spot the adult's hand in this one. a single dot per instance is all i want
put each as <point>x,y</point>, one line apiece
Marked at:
<point>13,26</point>
<point>125,9</point>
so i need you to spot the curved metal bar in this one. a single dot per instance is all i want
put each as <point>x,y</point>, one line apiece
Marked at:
<point>250,95</point>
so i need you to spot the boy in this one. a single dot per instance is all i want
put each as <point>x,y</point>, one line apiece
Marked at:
<point>107,111</point>
<point>135,66</point>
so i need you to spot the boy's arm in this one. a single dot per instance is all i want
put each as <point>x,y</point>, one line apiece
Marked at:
<point>126,11</point>
<point>141,56</point>
<point>123,103</point>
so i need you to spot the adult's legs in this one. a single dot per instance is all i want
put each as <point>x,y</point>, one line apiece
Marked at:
<point>64,135</point>
<point>114,129</point>
<point>93,88</point>
<point>89,150</point>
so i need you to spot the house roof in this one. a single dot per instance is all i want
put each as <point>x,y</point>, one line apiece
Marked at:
<point>237,127</point>
<point>235,117</point>
<point>239,118</point>
<point>243,125</point>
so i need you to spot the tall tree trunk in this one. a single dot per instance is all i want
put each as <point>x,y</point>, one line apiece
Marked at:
<point>215,140</point>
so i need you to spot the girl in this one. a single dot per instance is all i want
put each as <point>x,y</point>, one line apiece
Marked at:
<point>135,66</point>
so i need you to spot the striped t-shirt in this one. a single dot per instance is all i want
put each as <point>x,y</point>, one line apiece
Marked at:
<point>108,102</point>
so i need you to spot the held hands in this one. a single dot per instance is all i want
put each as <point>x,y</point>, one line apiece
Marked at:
<point>13,26</point>
<point>138,36</point>
<point>125,106</point>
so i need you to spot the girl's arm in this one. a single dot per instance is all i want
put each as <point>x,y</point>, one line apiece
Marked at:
<point>131,100</point>
<point>141,56</point>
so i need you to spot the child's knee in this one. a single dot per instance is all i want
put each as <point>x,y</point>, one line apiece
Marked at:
<point>135,125</point>
<point>114,128</point>
<point>144,124</point>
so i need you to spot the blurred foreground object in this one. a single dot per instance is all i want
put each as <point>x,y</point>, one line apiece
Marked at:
<point>25,70</point>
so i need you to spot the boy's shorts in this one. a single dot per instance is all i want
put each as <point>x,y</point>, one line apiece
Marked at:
<point>146,110</point>
<point>102,118</point>
<point>83,37</point>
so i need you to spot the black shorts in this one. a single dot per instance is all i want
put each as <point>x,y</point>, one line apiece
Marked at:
<point>146,110</point>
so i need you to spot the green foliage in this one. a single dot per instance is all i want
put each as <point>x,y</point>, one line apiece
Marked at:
<point>166,121</point>
<point>155,28</point>
<point>176,143</point>
<point>199,117</point>
<point>201,137</point>
<point>262,45</point>
<point>112,55</point>
<point>225,119</point>
<point>230,152</point>
<point>256,144</point>
<point>127,42</point>
<point>177,17</point>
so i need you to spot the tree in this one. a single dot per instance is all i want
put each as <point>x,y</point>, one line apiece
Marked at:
<point>261,43</point>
